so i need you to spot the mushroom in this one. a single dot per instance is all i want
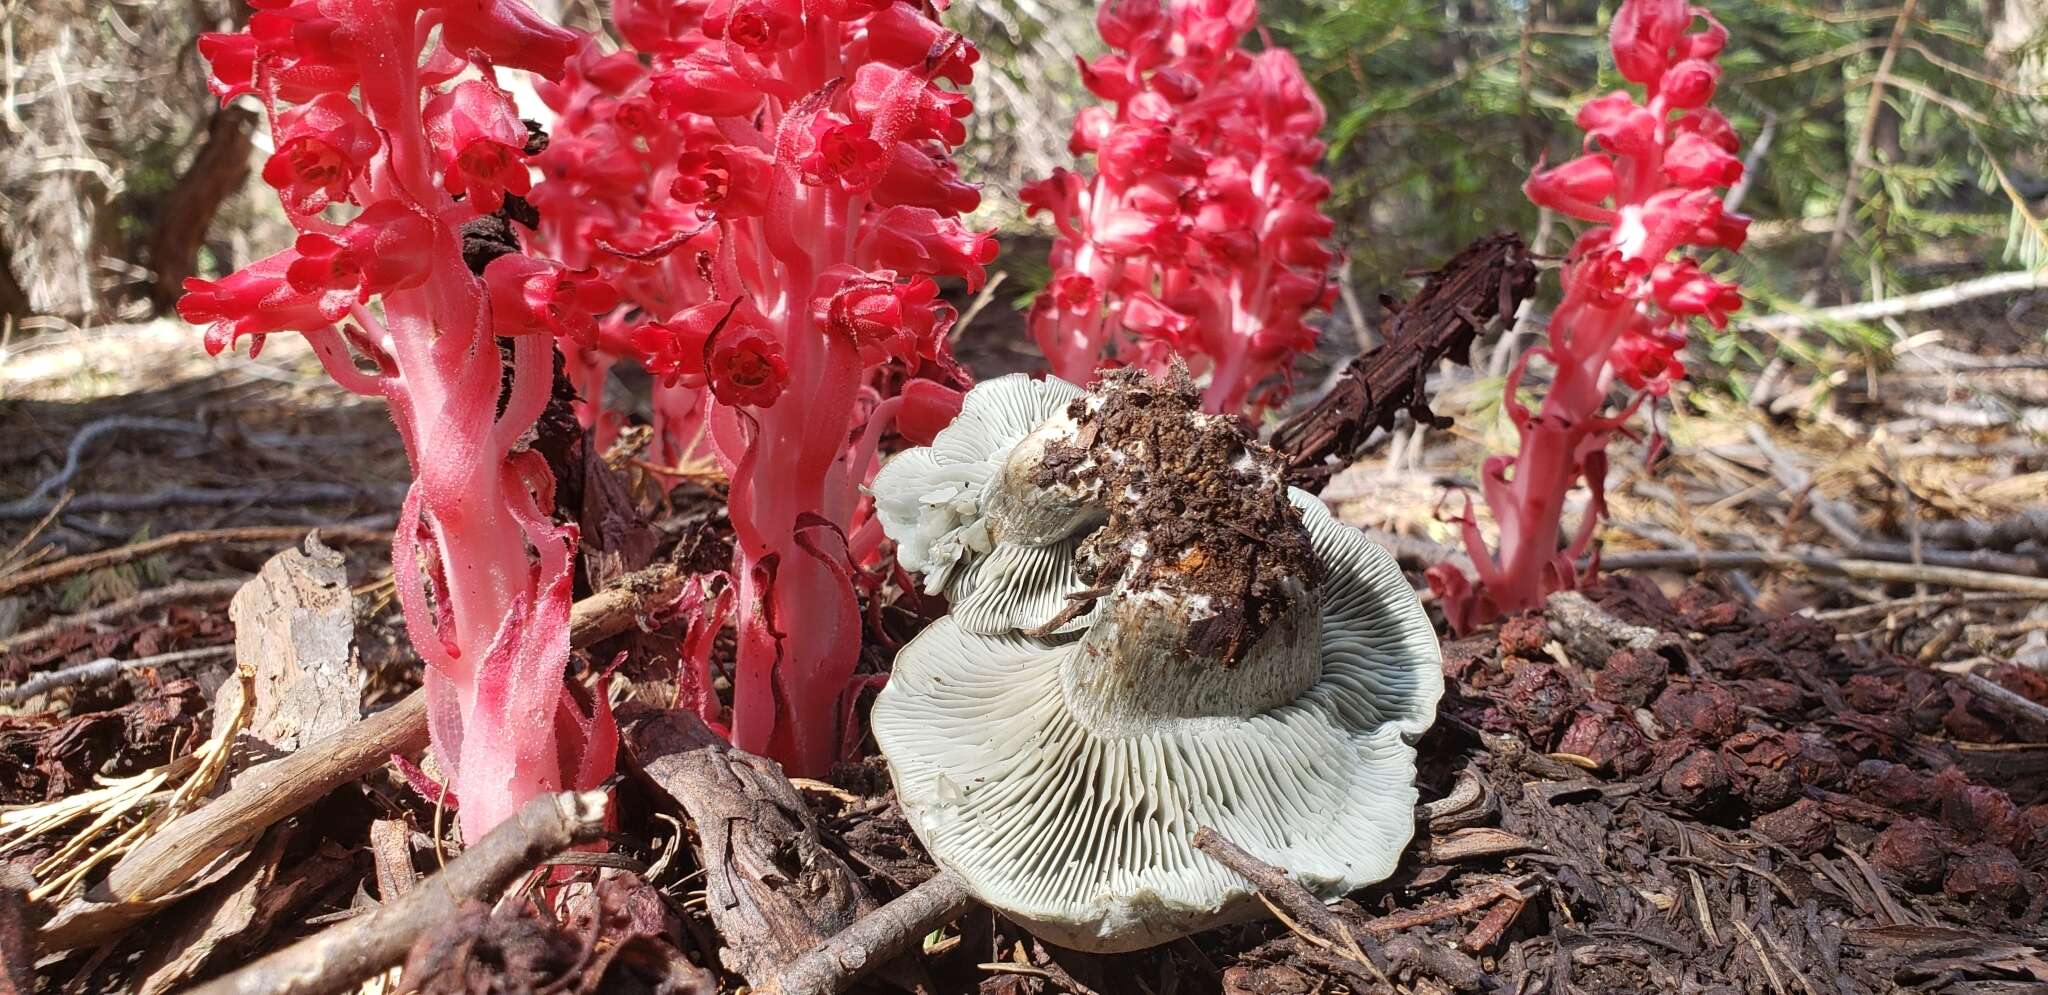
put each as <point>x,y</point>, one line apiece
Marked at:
<point>968,513</point>
<point>1253,665</point>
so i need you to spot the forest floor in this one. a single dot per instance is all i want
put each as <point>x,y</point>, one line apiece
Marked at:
<point>1794,743</point>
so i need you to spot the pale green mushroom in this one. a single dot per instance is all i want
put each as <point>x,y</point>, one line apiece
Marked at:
<point>1062,781</point>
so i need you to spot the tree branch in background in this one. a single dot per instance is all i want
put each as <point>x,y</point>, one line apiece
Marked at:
<point>1489,279</point>
<point>1996,284</point>
<point>13,299</point>
<point>186,210</point>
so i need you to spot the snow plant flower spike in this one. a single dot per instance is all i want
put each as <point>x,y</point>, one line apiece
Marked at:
<point>1200,235</point>
<point>1648,181</point>
<point>387,145</point>
<point>770,184</point>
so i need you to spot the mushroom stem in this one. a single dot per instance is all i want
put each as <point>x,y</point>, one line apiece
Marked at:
<point>1146,661</point>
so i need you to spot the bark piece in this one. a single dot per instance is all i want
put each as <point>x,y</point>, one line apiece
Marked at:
<point>18,922</point>
<point>295,624</point>
<point>1488,279</point>
<point>236,912</point>
<point>773,888</point>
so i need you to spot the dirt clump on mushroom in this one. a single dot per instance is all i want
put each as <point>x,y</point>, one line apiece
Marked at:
<point>1196,509</point>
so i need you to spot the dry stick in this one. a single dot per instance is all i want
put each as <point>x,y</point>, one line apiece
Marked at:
<point>1286,897</point>
<point>340,957</point>
<point>103,668</point>
<point>170,594</point>
<point>1900,573</point>
<point>878,937</point>
<point>2017,704</point>
<point>118,555</point>
<point>282,493</point>
<point>266,794</point>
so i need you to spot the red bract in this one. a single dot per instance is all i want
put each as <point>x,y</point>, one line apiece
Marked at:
<point>1201,235</point>
<point>1647,182</point>
<point>773,232</point>
<point>363,116</point>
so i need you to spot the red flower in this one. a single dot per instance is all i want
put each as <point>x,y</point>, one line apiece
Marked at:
<point>704,83</point>
<point>920,240</point>
<point>1681,288</point>
<point>232,58</point>
<point>387,247</point>
<point>884,318</point>
<point>534,296</point>
<point>322,146</point>
<point>253,300</point>
<point>725,181</point>
<point>923,175</point>
<point>902,104</point>
<point>928,407</point>
<point>745,367</point>
<point>901,34</point>
<point>1647,360</point>
<point>482,143</point>
<point>1693,160</point>
<point>1643,36</point>
<point>754,25</point>
<point>1578,188</point>
<point>844,156</point>
<point>508,33</point>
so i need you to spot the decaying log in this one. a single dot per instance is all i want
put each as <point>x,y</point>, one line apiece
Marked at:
<point>343,955</point>
<point>772,886</point>
<point>1489,279</point>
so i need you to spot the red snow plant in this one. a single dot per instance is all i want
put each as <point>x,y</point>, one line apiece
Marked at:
<point>1648,181</point>
<point>1200,236</point>
<point>392,134</point>
<point>770,183</point>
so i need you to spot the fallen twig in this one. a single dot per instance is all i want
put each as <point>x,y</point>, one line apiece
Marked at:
<point>263,795</point>
<point>103,668</point>
<point>1472,901</point>
<point>289,492</point>
<point>878,937</point>
<point>156,597</point>
<point>1293,904</point>
<point>1700,561</point>
<point>74,458</point>
<point>341,956</point>
<point>2030,524</point>
<point>2017,704</point>
<point>118,555</point>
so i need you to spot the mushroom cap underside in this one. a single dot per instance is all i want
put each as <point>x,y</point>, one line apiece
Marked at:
<point>1083,835</point>
<point>935,502</point>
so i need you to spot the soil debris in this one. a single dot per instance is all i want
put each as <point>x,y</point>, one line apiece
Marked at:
<point>1195,507</point>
